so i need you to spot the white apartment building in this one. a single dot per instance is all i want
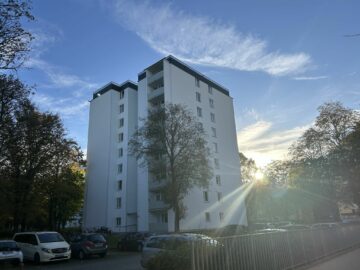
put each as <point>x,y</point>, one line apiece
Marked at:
<point>120,194</point>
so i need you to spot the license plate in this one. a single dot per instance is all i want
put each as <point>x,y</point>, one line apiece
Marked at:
<point>98,245</point>
<point>59,255</point>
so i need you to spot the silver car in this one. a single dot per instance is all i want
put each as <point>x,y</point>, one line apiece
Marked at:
<point>10,252</point>
<point>167,242</point>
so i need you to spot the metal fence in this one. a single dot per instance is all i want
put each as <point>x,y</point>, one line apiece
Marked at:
<point>272,251</point>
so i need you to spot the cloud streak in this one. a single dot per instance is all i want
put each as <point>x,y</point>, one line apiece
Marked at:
<point>201,40</point>
<point>261,143</point>
<point>310,78</point>
<point>66,107</point>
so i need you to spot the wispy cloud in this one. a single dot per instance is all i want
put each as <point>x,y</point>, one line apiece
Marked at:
<point>201,40</point>
<point>66,107</point>
<point>263,144</point>
<point>58,78</point>
<point>76,103</point>
<point>310,78</point>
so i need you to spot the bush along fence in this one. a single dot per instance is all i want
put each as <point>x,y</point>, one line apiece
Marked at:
<point>272,251</point>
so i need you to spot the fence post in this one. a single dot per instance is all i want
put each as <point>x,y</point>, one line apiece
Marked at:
<point>192,255</point>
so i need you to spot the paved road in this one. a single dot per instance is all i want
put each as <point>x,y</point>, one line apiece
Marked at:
<point>348,261</point>
<point>114,260</point>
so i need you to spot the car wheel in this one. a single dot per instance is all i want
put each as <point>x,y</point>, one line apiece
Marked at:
<point>102,255</point>
<point>81,255</point>
<point>37,258</point>
<point>139,247</point>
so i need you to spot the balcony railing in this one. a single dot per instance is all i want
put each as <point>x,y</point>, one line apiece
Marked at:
<point>155,93</point>
<point>156,77</point>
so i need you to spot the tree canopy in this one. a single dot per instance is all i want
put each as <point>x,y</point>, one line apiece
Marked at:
<point>14,38</point>
<point>172,144</point>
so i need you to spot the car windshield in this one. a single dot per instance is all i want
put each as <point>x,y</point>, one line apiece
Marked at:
<point>96,238</point>
<point>8,246</point>
<point>50,237</point>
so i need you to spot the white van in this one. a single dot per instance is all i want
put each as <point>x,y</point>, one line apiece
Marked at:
<point>43,246</point>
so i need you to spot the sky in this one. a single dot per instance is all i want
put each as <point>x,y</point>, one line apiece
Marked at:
<point>280,59</point>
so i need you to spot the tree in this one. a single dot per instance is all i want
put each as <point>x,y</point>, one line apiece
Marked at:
<point>63,182</point>
<point>313,158</point>
<point>172,144</point>
<point>14,39</point>
<point>248,168</point>
<point>333,124</point>
<point>13,93</point>
<point>31,157</point>
<point>277,172</point>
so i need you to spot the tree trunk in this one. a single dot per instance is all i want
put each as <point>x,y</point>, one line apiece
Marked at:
<point>177,218</point>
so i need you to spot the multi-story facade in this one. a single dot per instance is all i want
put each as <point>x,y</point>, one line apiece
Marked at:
<point>120,194</point>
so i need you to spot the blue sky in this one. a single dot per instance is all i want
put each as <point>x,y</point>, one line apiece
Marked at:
<point>280,59</point>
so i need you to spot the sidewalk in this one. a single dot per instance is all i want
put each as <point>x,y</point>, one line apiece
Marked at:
<point>348,261</point>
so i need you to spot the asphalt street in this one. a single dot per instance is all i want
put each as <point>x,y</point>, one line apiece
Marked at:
<point>348,261</point>
<point>114,260</point>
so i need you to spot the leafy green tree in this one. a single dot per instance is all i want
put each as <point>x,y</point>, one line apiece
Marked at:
<point>248,168</point>
<point>29,163</point>
<point>13,93</point>
<point>278,172</point>
<point>312,161</point>
<point>14,39</point>
<point>172,144</point>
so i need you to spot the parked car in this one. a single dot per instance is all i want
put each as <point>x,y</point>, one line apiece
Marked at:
<point>295,227</point>
<point>158,245</point>
<point>327,225</point>
<point>133,241</point>
<point>43,246</point>
<point>270,230</point>
<point>10,252</point>
<point>89,244</point>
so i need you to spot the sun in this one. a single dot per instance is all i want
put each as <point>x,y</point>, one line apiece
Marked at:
<point>259,176</point>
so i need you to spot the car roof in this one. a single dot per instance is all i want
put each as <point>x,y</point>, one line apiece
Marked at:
<point>36,232</point>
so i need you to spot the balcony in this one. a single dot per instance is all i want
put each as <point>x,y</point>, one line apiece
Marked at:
<point>158,227</point>
<point>153,93</point>
<point>156,78</point>
<point>155,206</point>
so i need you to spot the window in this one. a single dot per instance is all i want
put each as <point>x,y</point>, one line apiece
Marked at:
<point>120,168</point>
<point>118,202</point>
<point>198,97</point>
<point>206,196</point>
<point>121,137</point>
<point>119,185</point>
<point>200,125</point>
<point>213,131</point>
<point>211,103</point>
<point>216,162</point>
<point>164,218</point>
<point>212,117</point>
<point>207,216</point>
<point>158,196</point>
<point>210,89</point>
<point>218,180</point>
<point>215,147</point>
<point>221,216</point>
<point>121,108</point>
<point>197,82</point>
<point>118,221</point>
<point>121,152</point>
<point>121,122</point>
<point>121,94</point>
<point>199,111</point>
<point>219,196</point>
